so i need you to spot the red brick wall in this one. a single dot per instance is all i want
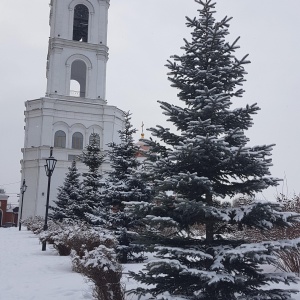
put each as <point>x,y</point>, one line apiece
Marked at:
<point>7,217</point>
<point>3,208</point>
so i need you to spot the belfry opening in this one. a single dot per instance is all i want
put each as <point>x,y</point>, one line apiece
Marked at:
<point>81,23</point>
<point>78,79</point>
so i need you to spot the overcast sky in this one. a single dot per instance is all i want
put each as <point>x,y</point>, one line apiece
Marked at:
<point>142,35</point>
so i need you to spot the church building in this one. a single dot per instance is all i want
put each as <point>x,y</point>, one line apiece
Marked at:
<point>74,106</point>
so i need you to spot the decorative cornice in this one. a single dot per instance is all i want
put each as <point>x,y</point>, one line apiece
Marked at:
<point>61,43</point>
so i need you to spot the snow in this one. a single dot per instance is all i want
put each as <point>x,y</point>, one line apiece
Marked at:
<point>28,273</point>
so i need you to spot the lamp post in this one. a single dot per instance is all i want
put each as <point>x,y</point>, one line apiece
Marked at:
<point>49,168</point>
<point>23,190</point>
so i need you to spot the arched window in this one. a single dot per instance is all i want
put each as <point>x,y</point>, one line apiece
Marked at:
<point>60,139</point>
<point>96,137</point>
<point>81,23</point>
<point>78,78</point>
<point>77,140</point>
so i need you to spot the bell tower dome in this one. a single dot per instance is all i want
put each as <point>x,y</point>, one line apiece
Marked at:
<point>74,106</point>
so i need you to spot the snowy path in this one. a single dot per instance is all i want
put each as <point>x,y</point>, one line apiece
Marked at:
<point>28,273</point>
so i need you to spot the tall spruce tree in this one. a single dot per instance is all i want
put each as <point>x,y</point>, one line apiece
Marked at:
<point>68,196</point>
<point>91,199</point>
<point>204,161</point>
<point>124,181</point>
<point>125,186</point>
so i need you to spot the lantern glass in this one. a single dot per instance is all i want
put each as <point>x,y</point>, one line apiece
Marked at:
<point>50,164</point>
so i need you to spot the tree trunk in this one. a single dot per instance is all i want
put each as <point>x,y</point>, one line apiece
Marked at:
<point>209,222</point>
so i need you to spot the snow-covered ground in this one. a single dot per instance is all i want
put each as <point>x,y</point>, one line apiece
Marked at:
<point>28,273</point>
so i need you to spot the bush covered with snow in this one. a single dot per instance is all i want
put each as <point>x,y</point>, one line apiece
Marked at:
<point>288,260</point>
<point>80,237</point>
<point>86,238</point>
<point>93,255</point>
<point>59,236</point>
<point>101,267</point>
<point>34,224</point>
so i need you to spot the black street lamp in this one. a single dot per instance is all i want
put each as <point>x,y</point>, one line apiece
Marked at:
<point>49,168</point>
<point>23,190</point>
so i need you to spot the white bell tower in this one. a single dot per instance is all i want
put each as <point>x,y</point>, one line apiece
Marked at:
<point>74,106</point>
<point>78,48</point>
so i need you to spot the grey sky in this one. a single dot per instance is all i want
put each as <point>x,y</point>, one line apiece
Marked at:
<point>142,36</point>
